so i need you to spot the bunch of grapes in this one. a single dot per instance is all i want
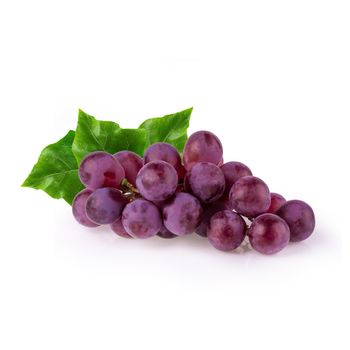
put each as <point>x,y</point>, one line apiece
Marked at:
<point>162,195</point>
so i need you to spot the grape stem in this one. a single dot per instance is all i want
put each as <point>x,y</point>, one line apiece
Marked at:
<point>129,190</point>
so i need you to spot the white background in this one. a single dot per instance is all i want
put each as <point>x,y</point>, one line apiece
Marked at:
<point>270,78</point>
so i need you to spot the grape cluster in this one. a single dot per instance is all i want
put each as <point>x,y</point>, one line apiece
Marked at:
<point>162,195</point>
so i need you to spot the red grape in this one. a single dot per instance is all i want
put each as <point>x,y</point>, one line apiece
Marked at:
<point>300,219</point>
<point>79,208</point>
<point>226,230</point>
<point>141,219</point>
<point>131,163</point>
<point>250,196</point>
<point>101,169</point>
<point>202,146</point>
<point>269,234</point>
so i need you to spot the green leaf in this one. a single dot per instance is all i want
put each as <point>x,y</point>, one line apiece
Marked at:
<point>56,171</point>
<point>96,135</point>
<point>130,139</point>
<point>171,128</point>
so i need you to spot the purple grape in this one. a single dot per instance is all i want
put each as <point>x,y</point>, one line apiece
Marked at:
<point>268,234</point>
<point>226,230</point>
<point>141,219</point>
<point>206,181</point>
<point>78,208</point>
<point>131,164</point>
<point>167,153</point>
<point>157,181</point>
<point>232,172</point>
<point>118,228</point>
<point>208,211</point>
<point>105,205</point>
<point>276,202</point>
<point>202,146</point>
<point>165,233</point>
<point>250,196</point>
<point>300,219</point>
<point>101,169</point>
<point>182,214</point>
